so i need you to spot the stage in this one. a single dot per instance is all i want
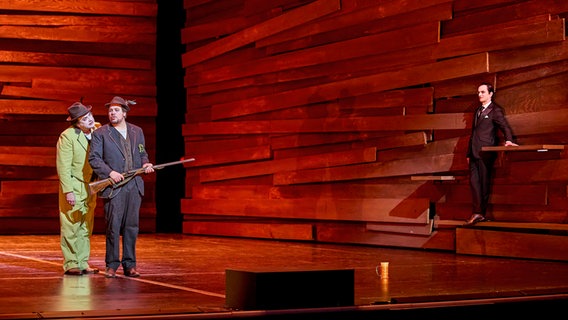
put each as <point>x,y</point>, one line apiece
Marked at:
<point>184,277</point>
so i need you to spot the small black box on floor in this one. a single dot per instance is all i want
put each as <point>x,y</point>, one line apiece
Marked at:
<point>264,290</point>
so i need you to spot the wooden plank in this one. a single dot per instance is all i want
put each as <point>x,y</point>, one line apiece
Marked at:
<point>426,15</point>
<point>15,172</point>
<point>73,60</point>
<point>228,192</point>
<point>397,141</point>
<point>466,7</point>
<point>542,74</point>
<point>432,178</point>
<point>514,194</point>
<point>313,139</point>
<point>526,56</point>
<point>334,71</point>
<point>349,190</point>
<point>28,151</point>
<point>222,27</point>
<point>120,8</point>
<point>530,147</point>
<point>109,88</point>
<point>511,244</point>
<point>270,167</point>
<point>450,31</point>
<point>531,123</point>
<point>345,190</point>
<point>221,144</point>
<point>131,23</point>
<point>12,73</point>
<point>69,34</point>
<point>145,105</point>
<point>505,13</point>
<point>511,37</point>
<point>443,146</point>
<point>346,19</point>
<point>451,68</point>
<point>421,230</point>
<point>388,123</point>
<point>549,86</point>
<point>10,188</point>
<point>231,156</point>
<point>370,210</point>
<point>533,214</point>
<point>525,226</point>
<point>22,160</point>
<point>354,234</point>
<point>458,88</point>
<point>298,16</point>
<point>539,171</point>
<point>415,36</point>
<point>274,231</point>
<point>425,165</point>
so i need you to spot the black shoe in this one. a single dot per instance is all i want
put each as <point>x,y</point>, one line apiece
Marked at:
<point>475,218</point>
<point>131,273</point>
<point>110,273</point>
<point>91,270</point>
<point>74,272</point>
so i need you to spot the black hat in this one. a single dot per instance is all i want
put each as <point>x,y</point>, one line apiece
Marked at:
<point>77,110</point>
<point>118,101</point>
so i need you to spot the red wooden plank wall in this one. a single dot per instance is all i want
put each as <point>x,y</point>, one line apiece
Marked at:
<point>52,54</point>
<point>347,120</point>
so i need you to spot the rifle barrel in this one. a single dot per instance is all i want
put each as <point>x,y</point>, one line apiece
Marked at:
<point>96,185</point>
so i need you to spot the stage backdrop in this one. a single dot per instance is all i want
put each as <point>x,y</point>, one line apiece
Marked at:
<point>348,121</point>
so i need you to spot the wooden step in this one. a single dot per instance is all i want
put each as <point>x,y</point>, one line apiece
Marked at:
<point>546,241</point>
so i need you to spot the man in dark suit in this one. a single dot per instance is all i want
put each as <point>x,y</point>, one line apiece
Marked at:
<point>488,120</point>
<point>118,147</point>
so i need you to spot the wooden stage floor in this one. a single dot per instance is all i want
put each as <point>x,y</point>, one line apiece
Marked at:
<point>183,277</point>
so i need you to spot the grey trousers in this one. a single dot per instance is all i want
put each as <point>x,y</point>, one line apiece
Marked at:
<point>122,215</point>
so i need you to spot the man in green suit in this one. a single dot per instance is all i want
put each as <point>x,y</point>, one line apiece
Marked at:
<point>76,205</point>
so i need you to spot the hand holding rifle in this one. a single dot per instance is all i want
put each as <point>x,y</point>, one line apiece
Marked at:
<point>116,179</point>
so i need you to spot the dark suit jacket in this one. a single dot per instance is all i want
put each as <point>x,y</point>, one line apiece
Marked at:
<point>106,155</point>
<point>485,129</point>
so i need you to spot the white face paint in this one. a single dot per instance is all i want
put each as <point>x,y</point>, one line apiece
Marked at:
<point>86,123</point>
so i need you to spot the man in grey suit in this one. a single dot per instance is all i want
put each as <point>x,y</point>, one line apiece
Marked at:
<point>76,205</point>
<point>488,120</point>
<point>118,147</point>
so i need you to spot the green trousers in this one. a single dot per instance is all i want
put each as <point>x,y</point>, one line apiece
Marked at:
<point>76,229</point>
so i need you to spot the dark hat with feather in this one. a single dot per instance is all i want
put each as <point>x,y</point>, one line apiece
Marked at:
<point>120,102</point>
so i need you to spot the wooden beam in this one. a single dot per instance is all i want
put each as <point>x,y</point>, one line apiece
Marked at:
<point>272,166</point>
<point>414,36</point>
<point>425,165</point>
<point>512,37</point>
<point>414,210</point>
<point>511,244</point>
<point>442,121</point>
<point>532,147</point>
<point>288,20</point>
<point>443,70</point>
<point>268,230</point>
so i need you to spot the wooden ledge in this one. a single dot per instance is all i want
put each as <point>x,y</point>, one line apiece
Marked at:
<point>528,147</point>
<point>527,227</point>
<point>437,178</point>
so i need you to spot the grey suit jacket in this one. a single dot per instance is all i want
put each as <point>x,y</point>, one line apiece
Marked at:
<point>106,154</point>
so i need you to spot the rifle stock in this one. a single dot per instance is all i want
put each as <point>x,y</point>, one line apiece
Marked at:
<point>100,185</point>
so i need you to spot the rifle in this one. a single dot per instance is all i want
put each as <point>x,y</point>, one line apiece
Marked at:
<point>100,185</point>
